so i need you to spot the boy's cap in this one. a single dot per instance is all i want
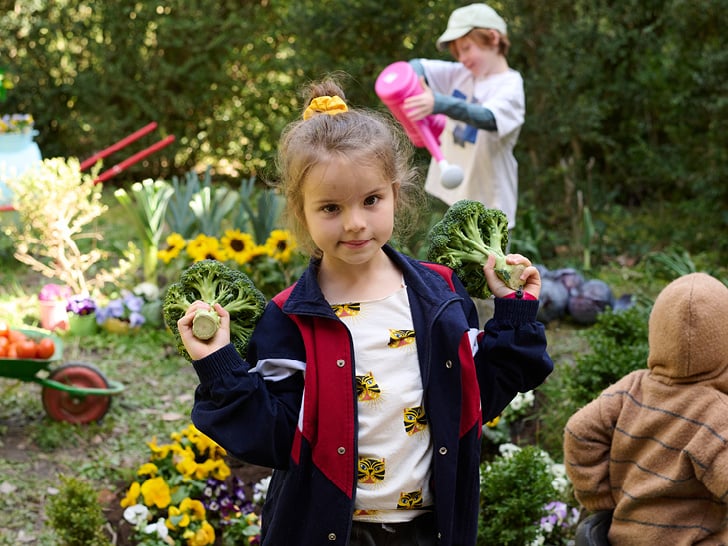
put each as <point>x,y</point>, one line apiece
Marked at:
<point>465,19</point>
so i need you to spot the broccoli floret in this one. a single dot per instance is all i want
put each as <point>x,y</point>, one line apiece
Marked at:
<point>463,239</point>
<point>212,281</point>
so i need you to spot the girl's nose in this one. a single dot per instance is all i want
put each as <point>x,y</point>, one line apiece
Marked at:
<point>354,221</point>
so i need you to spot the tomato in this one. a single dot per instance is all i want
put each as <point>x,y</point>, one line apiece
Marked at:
<point>16,335</point>
<point>12,352</point>
<point>25,348</point>
<point>44,348</point>
<point>4,343</point>
<point>4,329</point>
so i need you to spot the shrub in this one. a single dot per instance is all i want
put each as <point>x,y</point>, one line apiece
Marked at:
<point>76,515</point>
<point>522,499</point>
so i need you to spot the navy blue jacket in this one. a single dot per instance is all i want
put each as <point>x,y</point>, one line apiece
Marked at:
<point>306,430</point>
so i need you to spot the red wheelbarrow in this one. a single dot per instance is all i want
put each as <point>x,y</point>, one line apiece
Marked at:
<point>75,392</point>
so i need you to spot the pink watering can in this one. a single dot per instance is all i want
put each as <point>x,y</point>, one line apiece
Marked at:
<point>397,82</point>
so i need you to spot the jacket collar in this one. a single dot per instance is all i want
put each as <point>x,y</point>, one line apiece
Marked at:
<point>306,297</point>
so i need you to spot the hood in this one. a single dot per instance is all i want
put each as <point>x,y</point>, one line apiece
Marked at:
<point>688,331</point>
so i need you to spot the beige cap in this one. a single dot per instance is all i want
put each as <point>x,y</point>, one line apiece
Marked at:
<point>465,19</point>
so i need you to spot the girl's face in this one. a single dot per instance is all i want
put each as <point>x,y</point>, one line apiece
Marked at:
<point>477,58</point>
<point>349,210</point>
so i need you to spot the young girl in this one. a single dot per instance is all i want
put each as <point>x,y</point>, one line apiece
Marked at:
<point>367,382</point>
<point>485,103</point>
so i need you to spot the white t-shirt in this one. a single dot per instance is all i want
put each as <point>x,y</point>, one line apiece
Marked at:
<point>486,157</point>
<point>395,449</point>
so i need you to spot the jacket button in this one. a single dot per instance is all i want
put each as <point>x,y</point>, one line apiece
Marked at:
<point>341,363</point>
<point>341,450</point>
<point>448,364</point>
<point>332,536</point>
<point>443,450</point>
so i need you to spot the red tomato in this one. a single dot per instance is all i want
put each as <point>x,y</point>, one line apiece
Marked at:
<point>25,348</point>
<point>44,348</point>
<point>15,335</point>
<point>4,343</point>
<point>4,329</point>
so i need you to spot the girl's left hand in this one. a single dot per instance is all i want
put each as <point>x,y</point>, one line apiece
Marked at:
<point>530,276</point>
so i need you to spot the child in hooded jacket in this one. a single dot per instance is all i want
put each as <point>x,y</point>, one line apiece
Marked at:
<point>366,383</point>
<point>653,448</point>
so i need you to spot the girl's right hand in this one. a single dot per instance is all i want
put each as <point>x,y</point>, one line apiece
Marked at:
<point>197,348</point>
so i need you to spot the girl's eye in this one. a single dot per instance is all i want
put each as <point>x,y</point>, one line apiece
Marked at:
<point>371,200</point>
<point>329,209</point>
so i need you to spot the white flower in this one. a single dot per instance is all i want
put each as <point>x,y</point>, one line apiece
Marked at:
<point>149,291</point>
<point>507,450</point>
<point>136,515</point>
<point>260,490</point>
<point>159,528</point>
<point>522,400</point>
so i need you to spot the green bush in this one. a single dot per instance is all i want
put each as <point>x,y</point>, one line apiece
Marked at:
<point>617,345</point>
<point>76,515</point>
<point>516,488</point>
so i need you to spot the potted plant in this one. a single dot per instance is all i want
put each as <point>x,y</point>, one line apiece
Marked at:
<point>53,299</point>
<point>81,310</point>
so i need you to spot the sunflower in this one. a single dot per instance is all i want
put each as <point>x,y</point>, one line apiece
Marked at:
<point>237,245</point>
<point>175,245</point>
<point>204,247</point>
<point>280,245</point>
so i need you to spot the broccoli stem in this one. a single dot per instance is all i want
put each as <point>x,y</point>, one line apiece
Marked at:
<point>205,324</point>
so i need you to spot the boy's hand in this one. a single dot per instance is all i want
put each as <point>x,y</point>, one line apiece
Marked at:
<point>420,106</point>
<point>530,276</point>
<point>198,348</point>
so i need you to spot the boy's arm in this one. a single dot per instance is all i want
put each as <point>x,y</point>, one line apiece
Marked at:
<point>471,113</point>
<point>587,445</point>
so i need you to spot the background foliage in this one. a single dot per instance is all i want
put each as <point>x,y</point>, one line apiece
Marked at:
<point>626,102</point>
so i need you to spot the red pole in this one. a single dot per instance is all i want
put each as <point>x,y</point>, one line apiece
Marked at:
<point>119,145</point>
<point>116,169</point>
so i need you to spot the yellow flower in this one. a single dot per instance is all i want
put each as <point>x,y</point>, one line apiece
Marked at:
<point>205,247</point>
<point>148,469</point>
<point>493,422</point>
<point>280,245</point>
<point>186,465</point>
<point>175,245</point>
<point>194,507</point>
<point>202,537</point>
<point>158,452</point>
<point>237,245</point>
<point>156,493</point>
<point>177,518</point>
<point>132,495</point>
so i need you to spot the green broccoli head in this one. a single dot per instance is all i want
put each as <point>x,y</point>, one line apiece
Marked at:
<point>463,239</point>
<point>213,282</point>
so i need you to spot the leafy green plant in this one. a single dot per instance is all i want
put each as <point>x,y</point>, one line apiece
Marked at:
<point>146,207</point>
<point>180,218</point>
<point>517,486</point>
<point>259,213</point>
<point>76,515</point>
<point>618,346</point>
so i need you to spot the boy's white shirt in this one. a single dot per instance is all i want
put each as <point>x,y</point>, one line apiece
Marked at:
<point>491,170</point>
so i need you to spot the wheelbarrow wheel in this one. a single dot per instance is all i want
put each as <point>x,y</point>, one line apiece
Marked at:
<point>73,407</point>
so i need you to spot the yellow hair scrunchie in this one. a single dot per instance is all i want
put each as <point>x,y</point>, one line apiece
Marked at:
<point>325,105</point>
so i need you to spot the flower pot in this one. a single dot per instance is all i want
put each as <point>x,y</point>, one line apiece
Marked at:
<point>117,326</point>
<point>53,315</point>
<point>82,325</point>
